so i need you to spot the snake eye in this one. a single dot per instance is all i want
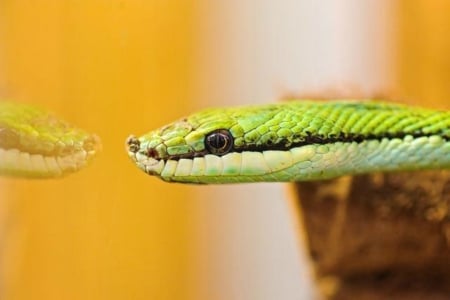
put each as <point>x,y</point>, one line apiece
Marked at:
<point>219,142</point>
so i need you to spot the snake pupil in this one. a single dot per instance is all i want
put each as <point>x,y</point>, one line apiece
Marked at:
<point>219,142</point>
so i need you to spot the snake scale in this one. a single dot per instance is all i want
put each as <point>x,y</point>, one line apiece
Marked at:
<point>299,140</point>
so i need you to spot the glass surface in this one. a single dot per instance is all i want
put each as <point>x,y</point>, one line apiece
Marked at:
<point>108,232</point>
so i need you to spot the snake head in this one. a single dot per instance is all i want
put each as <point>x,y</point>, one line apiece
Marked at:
<point>152,151</point>
<point>212,146</point>
<point>169,152</point>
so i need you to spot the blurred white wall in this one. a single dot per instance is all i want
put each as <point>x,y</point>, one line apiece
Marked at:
<point>254,52</point>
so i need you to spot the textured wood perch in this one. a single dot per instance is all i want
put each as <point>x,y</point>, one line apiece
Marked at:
<point>380,236</point>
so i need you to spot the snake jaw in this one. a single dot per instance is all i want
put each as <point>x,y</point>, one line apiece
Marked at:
<point>144,162</point>
<point>147,164</point>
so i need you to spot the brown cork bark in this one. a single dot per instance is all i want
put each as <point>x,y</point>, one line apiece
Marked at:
<point>380,236</point>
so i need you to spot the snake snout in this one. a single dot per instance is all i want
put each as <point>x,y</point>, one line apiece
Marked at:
<point>133,144</point>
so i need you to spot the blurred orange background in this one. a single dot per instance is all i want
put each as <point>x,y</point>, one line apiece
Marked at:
<point>111,67</point>
<point>120,67</point>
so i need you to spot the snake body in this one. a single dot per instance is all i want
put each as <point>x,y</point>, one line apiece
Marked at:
<point>294,141</point>
<point>35,143</point>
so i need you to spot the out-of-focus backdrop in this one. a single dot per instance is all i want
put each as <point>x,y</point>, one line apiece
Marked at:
<point>120,67</point>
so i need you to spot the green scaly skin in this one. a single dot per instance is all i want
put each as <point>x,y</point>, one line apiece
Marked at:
<point>296,141</point>
<point>34,143</point>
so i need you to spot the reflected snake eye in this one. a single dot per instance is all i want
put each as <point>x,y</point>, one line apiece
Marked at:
<point>219,142</point>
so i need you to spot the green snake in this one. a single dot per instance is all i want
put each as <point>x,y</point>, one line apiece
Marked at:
<point>37,144</point>
<point>294,141</point>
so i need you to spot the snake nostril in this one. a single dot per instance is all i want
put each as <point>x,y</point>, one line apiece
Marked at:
<point>133,144</point>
